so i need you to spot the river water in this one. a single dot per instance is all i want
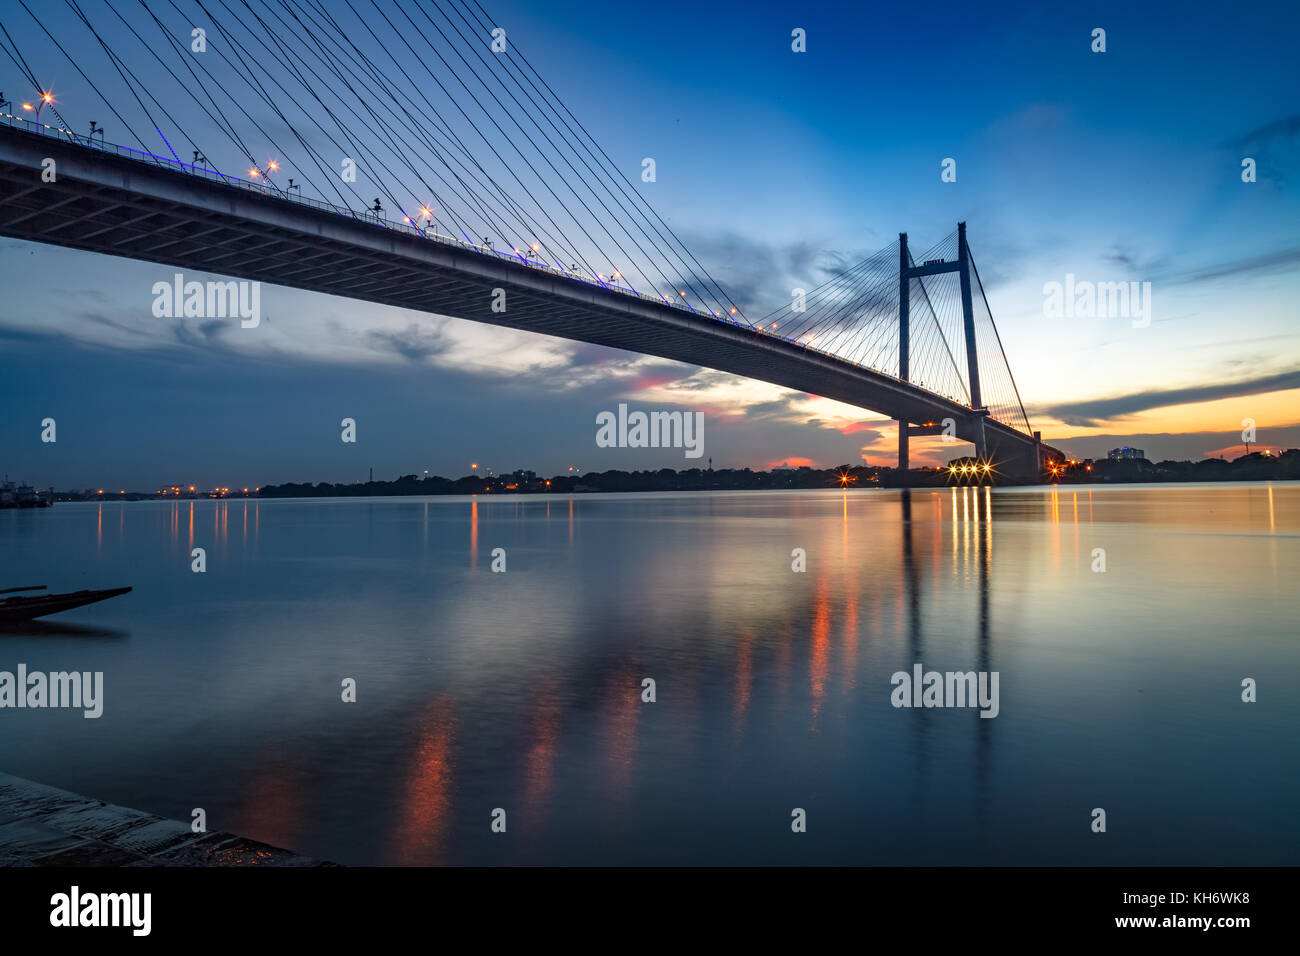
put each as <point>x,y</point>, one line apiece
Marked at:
<point>522,691</point>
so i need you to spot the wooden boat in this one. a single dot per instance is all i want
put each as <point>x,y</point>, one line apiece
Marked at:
<point>26,608</point>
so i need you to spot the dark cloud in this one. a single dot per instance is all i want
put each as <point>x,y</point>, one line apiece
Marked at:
<point>1092,413</point>
<point>1286,129</point>
<point>585,353</point>
<point>781,408</point>
<point>1281,261</point>
<point>415,342</point>
<point>106,321</point>
<point>759,275</point>
<point>1134,262</point>
<point>208,332</point>
<point>1273,146</point>
<point>1159,269</point>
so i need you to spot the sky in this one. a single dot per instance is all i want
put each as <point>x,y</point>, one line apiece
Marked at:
<point>775,168</point>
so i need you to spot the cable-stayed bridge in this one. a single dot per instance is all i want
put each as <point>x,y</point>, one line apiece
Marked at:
<point>491,182</point>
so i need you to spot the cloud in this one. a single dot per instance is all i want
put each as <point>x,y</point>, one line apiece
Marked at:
<point>413,342</point>
<point>1273,146</point>
<point>1254,265</point>
<point>1285,129</point>
<point>854,428</point>
<point>1133,262</point>
<point>1094,412</point>
<point>759,275</point>
<point>111,309</point>
<point>1237,450</point>
<point>719,395</point>
<point>1158,269</point>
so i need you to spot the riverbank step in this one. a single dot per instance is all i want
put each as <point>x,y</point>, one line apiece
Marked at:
<point>45,826</point>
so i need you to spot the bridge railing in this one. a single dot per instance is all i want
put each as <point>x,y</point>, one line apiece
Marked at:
<point>372,217</point>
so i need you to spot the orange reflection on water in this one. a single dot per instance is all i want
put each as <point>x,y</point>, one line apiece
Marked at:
<point>1272,529</point>
<point>272,809</point>
<point>954,527</point>
<point>936,531</point>
<point>821,646</point>
<point>988,518</point>
<point>744,677</point>
<point>844,551</point>
<point>967,528</point>
<point>426,797</point>
<point>622,708</point>
<point>540,767</point>
<point>1054,503</point>
<point>1076,524</point>
<point>473,533</point>
<point>851,634</point>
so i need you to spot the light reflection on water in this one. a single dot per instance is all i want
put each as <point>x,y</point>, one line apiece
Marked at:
<point>523,690</point>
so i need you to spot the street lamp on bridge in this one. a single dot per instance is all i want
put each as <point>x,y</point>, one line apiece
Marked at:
<point>45,97</point>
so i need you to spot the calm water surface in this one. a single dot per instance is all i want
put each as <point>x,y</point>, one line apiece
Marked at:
<point>522,690</point>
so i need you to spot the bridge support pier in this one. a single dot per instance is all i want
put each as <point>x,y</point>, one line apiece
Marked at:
<point>904,347</point>
<point>981,441</point>
<point>968,319</point>
<point>1015,461</point>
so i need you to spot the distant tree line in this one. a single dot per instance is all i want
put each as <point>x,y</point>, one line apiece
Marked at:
<point>663,479</point>
<point>1257,466</point>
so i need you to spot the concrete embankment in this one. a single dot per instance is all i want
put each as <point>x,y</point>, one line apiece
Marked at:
<point>44,826</point>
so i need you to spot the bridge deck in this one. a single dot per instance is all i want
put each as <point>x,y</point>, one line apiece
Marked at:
<point>109,204</point>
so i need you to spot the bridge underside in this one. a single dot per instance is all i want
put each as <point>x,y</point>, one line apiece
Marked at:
<point>106,203</point>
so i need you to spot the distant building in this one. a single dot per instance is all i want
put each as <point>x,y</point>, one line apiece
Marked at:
<point>1116,454</point>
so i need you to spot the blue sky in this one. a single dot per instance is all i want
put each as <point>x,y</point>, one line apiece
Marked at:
<point>772,166</point>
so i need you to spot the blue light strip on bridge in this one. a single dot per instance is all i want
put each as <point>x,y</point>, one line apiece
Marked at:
<point>169,145</point>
